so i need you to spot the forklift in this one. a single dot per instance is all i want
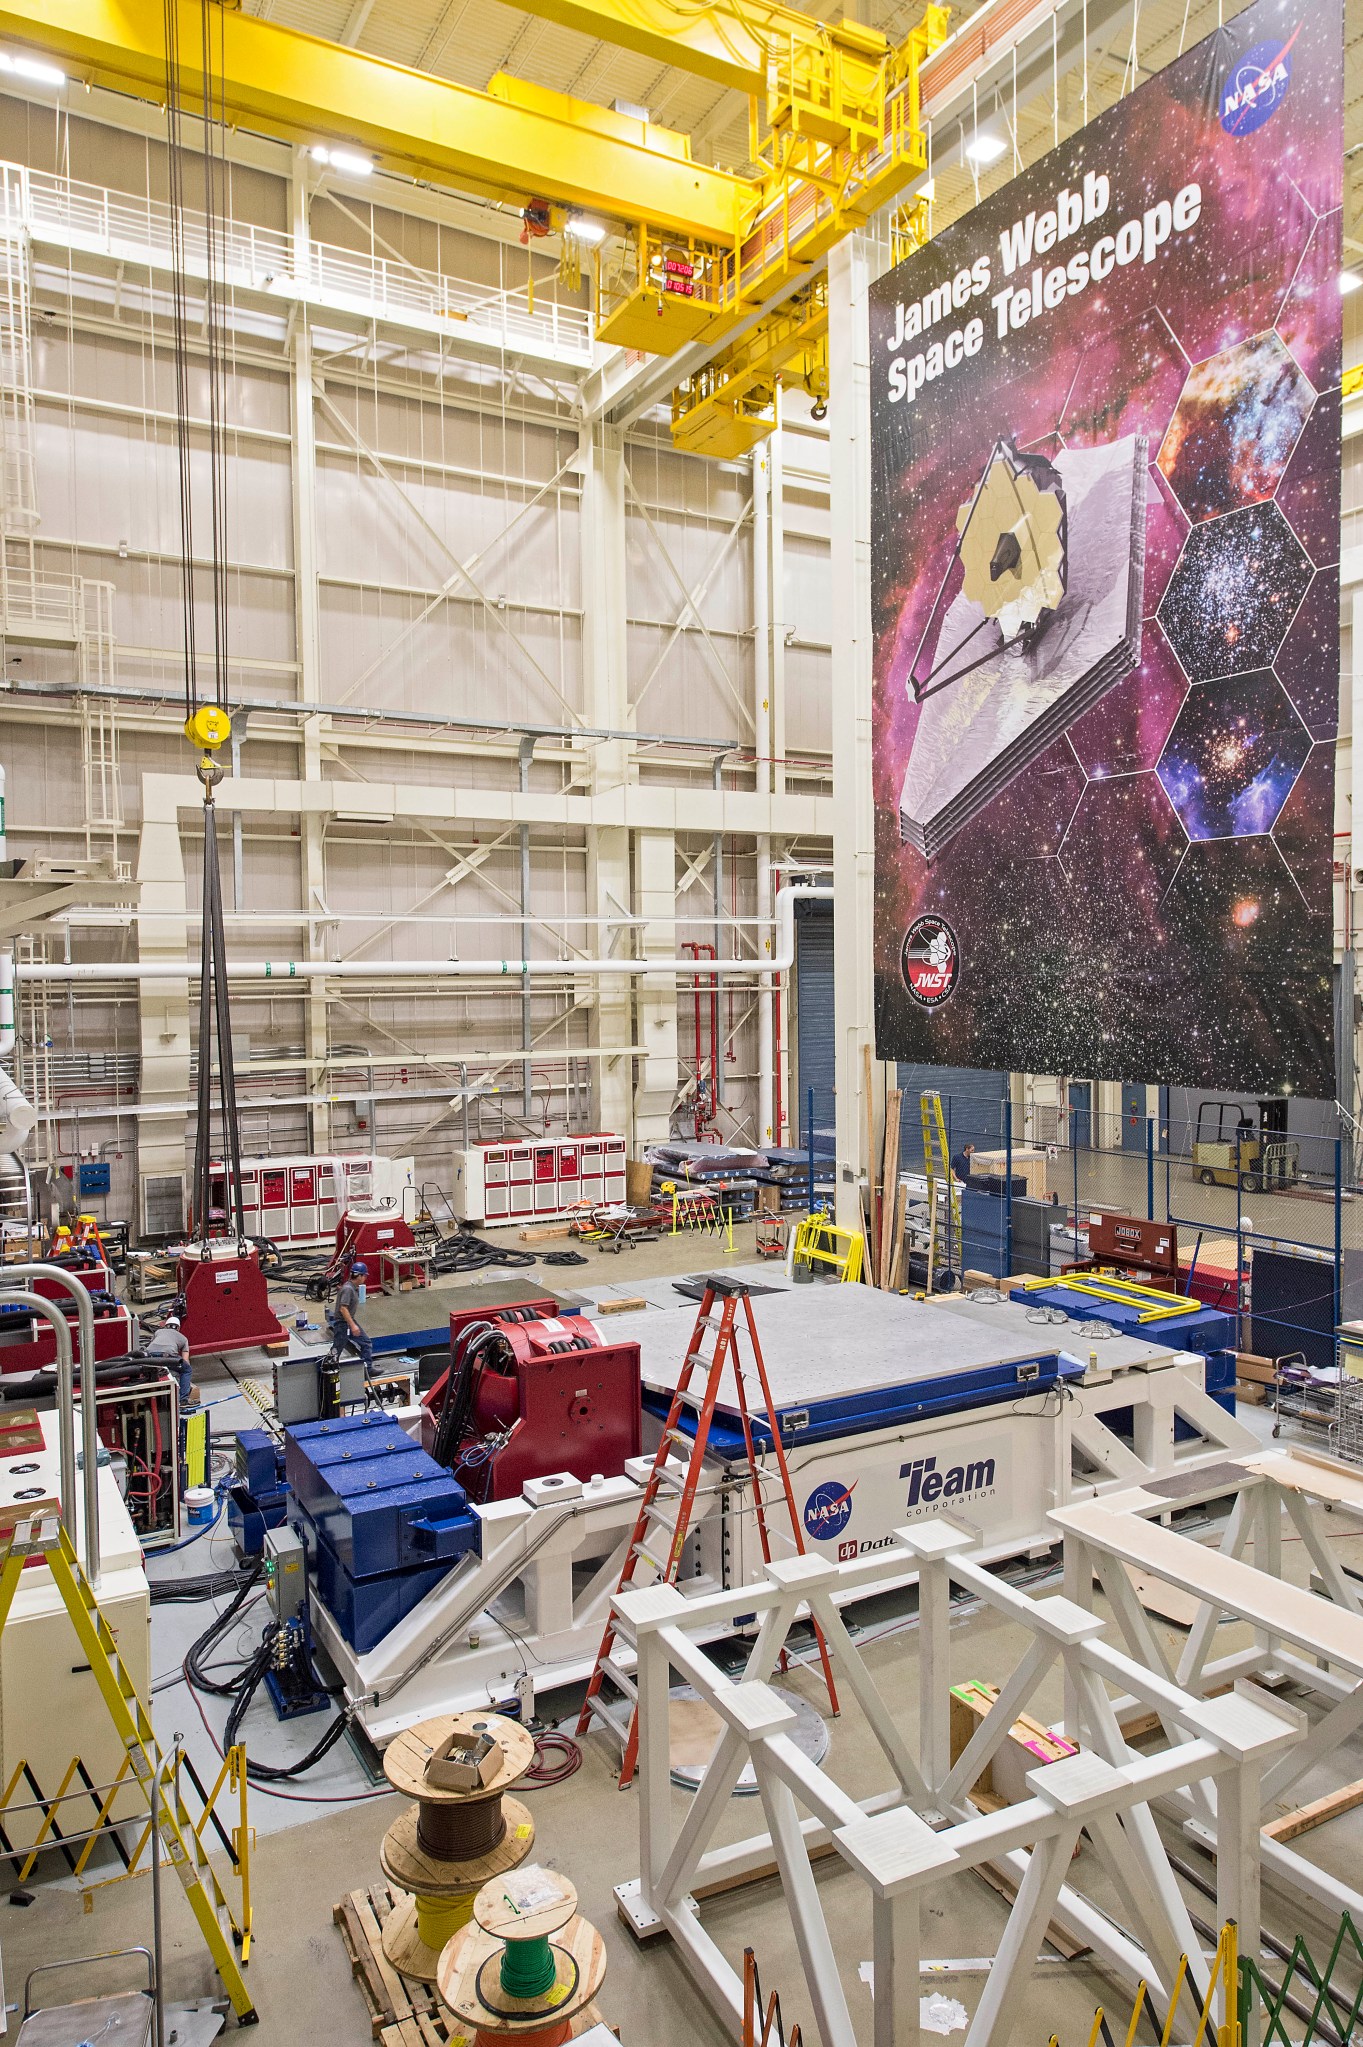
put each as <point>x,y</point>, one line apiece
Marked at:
<point>1232,1144</point>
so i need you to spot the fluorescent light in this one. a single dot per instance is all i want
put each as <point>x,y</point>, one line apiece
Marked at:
<point>985,149</point>
<point>589,231</point>
<point>33,69</point>
<point>1349,281</point>
<point>348,161</point>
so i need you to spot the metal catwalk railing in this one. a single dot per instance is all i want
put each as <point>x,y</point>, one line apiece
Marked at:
<point>124,228</point>
<point>18,484</point>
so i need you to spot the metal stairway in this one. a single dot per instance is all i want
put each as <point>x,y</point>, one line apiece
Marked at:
<point>179,1828</point>
<point>39,607</point>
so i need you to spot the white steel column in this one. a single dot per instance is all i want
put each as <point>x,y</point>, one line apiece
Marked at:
<point>762,673</point>
<point>307,634</point>
<point>655,1000</point>
<point>162,1006</point>
<point>776,586</point>
<point>607,766</point>
<point>852,264</point>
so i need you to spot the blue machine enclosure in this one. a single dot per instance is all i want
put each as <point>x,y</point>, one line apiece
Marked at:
<point>381,1521</point>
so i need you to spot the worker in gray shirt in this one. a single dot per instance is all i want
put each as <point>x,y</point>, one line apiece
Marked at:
<point>346,1333</point>
<point>170,1341</point>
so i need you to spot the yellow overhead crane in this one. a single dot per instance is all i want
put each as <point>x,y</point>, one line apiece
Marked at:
<point>691,251</point>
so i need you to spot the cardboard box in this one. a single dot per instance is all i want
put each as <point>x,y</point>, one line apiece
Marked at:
<point>1255,1370</point>
<point>638,1183</point>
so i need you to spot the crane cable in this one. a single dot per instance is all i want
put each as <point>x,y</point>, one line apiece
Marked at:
<point>207,714</point>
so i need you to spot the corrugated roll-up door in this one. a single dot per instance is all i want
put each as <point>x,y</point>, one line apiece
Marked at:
<point>815,1051</point>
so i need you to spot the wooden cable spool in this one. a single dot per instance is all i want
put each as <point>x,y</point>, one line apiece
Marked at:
<point>456,1836</point>
<point>526,1965</point>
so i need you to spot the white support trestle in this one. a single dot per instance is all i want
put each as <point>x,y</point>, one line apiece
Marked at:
<point>1315,1642</point>
<point>922,1830</point>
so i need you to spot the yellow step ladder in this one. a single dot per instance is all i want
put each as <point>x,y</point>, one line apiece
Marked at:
<point>224,1934</point>
<point>944,1198</point>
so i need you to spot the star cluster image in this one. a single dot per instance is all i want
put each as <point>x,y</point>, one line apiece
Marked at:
<point>1151,898</point>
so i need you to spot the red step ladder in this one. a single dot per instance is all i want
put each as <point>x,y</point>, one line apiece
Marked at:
<point>664,1557</point>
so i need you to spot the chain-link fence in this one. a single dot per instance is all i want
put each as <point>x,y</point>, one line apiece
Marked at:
<point>1266,1223</point>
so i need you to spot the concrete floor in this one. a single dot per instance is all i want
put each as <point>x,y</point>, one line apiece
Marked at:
<point>310,1851</point>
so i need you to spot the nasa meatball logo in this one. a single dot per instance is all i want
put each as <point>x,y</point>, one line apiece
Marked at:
<point>1256,86</point>
<point>930,961</point>
<point>828,1510</point>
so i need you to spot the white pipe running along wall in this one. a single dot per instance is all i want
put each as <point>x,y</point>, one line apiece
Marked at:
<point>17,1114</point>
<point>782,959</point>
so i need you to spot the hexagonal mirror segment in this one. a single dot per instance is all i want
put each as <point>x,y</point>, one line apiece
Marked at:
<point>1234,593</point>
<point>1235,751</point>
<point>1234,428</point>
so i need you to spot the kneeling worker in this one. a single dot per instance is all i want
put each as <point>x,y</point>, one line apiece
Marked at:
<point>170,1341</point>
<point>346,1332</point>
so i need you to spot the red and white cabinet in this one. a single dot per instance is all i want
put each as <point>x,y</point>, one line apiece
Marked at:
<point>501,1181</point>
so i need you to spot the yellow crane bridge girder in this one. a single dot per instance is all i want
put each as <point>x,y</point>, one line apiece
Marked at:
<point>730,44</point>
<point>507,144</point>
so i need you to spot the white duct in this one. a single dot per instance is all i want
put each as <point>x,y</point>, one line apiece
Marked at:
<point>782,959</point>
<point>6,957</point>
<point>17,1114</point>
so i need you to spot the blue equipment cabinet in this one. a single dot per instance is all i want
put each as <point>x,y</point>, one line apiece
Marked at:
<point>382,1522</point>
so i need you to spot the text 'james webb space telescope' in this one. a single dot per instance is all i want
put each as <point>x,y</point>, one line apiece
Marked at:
<point>1044,619</point>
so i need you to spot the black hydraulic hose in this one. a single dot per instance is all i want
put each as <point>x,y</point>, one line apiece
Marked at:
<point>457,1407</point>
<point>248,1685</point>
<point>193,1665</point>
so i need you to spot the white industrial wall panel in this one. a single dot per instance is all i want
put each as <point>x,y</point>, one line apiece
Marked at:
<point>689,564</point>
<point>457,663</point>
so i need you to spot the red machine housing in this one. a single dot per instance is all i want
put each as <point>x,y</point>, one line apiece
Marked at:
<point>33,1345</point>
<point>227,1302</point>
<point>368,1232</point>
<point>569,1400</point>
<point>87,1266</point>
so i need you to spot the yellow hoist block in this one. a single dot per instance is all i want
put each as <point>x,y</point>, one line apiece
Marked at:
<point>209,727</point>
<point>727,407</point>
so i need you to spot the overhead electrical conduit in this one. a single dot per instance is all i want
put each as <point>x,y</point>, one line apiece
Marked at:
<point>780,962</point>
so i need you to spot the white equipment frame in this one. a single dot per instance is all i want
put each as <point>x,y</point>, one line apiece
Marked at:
<point>921,1829</point>
<point>1316,1642</point>
<point>451,1651</point>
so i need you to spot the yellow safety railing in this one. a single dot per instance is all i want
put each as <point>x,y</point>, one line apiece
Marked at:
<point>820,1242</point>
<point>1194,2020</point>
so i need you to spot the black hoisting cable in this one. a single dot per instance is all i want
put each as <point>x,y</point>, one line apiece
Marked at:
<point>207,724</point>
<point>215,1029</point>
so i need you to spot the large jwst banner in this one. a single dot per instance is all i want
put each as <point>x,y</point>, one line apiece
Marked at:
<point>1105,422</point>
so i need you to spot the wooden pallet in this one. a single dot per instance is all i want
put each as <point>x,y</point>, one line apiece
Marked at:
<point>402,2012</point>
<point>392,1999</point>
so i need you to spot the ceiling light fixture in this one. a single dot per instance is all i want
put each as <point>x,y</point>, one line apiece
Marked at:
<point>589,231</point>
<point>33,69</point>
<point>348,161</point>
<point>985,148</point>
<point>1349,280</point>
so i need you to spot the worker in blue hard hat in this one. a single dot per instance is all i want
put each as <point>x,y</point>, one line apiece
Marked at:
<point>346,1332</point>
